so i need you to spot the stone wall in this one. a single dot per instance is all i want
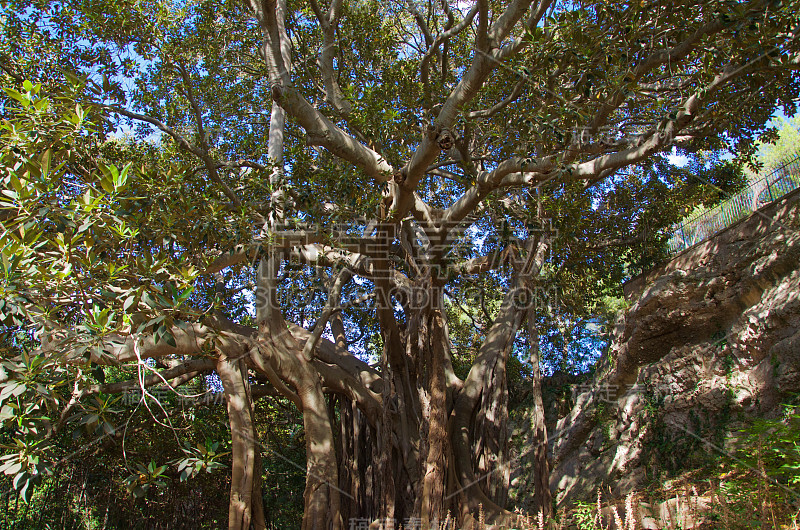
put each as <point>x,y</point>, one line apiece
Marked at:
<point>711,338</point>
<point>765,220</point>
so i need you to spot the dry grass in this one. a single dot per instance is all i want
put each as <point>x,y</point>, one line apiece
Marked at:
<point>733,501</point>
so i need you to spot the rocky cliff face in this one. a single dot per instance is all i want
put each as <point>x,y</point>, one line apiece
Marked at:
<point>711,338</point>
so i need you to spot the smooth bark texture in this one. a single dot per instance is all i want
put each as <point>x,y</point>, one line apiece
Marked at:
<point>542,497</point>
<point>245,507</point>
<point>492,351</point>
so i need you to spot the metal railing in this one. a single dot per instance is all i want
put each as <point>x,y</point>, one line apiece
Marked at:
<point>777,183</point>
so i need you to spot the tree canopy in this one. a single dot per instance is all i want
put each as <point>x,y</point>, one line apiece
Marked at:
<point>366,209</point>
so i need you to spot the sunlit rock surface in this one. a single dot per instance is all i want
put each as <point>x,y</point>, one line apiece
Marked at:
<point>711,338</point>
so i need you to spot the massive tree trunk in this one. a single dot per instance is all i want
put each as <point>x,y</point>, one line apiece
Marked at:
<point>433,485</point>
<point>411,441</point>
<point>491,359</point>
<point>438,445</point>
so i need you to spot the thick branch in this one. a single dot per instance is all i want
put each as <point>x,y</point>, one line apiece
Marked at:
<point>327,23</point>
<point>319,128</point>
<point>173,376</point>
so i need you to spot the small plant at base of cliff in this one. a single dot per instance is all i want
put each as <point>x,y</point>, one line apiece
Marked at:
<point>761,489</point>
<point>653,401</point>
<point>584,515</point>
<point>589,516</point>
<point>778,449</point>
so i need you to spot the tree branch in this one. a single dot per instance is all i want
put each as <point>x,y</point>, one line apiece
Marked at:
<point>319,128</point>
<point>210,163</point>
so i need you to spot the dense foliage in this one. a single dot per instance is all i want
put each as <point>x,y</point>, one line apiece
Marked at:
<point>379,216</point>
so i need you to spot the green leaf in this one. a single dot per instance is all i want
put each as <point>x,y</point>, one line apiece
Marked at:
<point>18,480</point>
<point>107,185</point>
<point>129,301</point>
<point>26,491</point>
<point>11,468</point>
<point>24,100</point>
<point>122,178</point>
<point>169,338</point>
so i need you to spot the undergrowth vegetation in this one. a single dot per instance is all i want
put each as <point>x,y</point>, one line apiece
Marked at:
<point>755,484</point>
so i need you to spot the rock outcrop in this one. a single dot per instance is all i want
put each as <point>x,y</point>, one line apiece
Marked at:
<point>711,338</point>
